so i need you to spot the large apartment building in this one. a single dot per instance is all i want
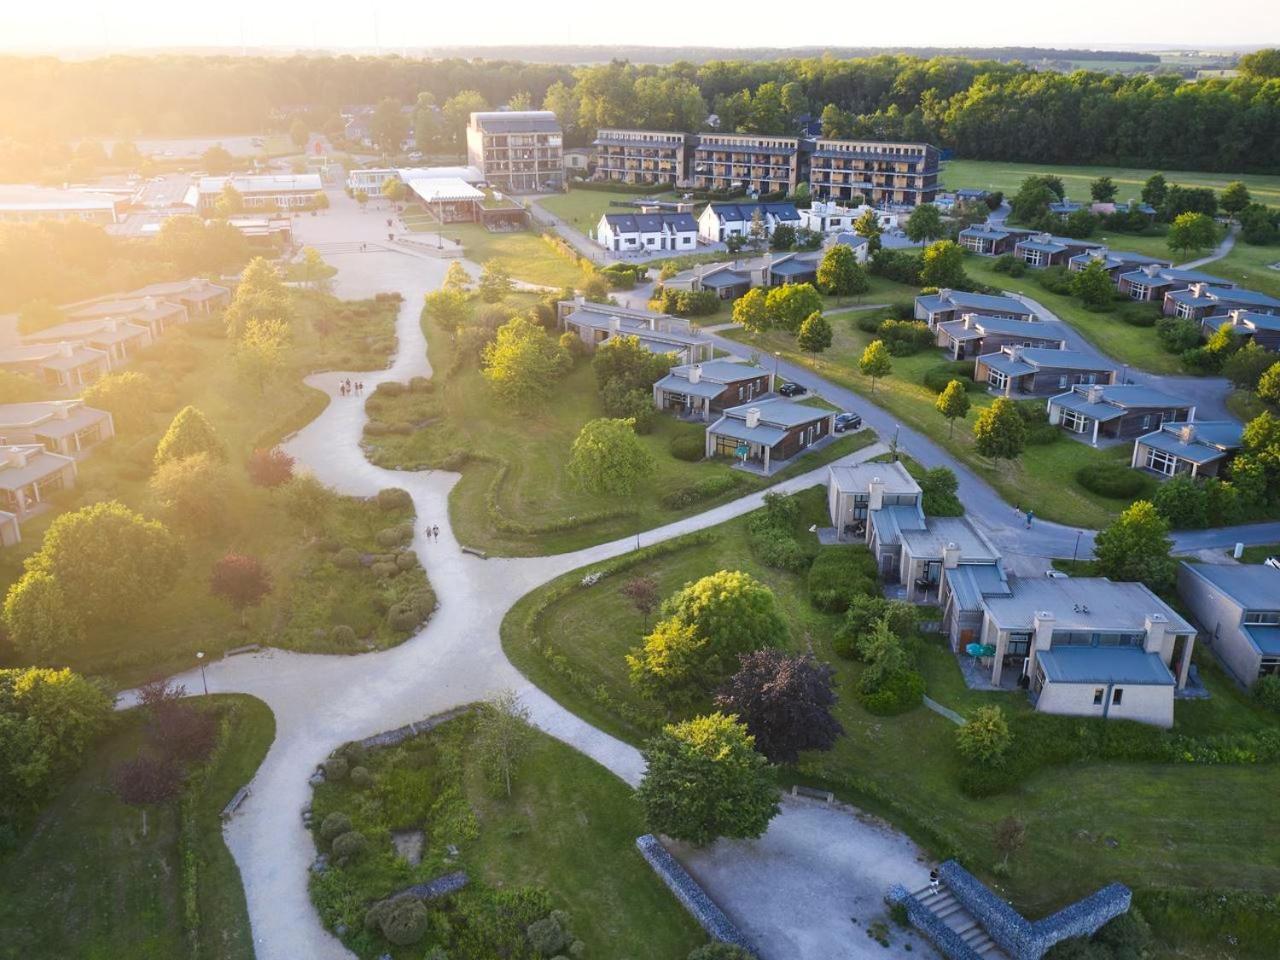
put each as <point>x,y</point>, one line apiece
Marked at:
<point>519,151</point>
<point>725,161</point>
<point>642,156</point>
<point>874,172</point>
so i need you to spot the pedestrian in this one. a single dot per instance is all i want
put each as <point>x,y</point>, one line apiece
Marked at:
<point>934,880</point>
<point>435,533</point>
<point>426,532</point>
<point>1030,517</point>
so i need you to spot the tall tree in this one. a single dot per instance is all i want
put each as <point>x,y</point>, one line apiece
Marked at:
<point>875,362</point>
<point>607,457</point>
<point>1155,190</point>
<point>953,403</point>
<point>523,364</point>
<point>190,433</point>
<point>839,273</point>
<point>1191,231</point>
<point>1103,190</point>
<point>924,223</point>
<point>1136,546</point>
<point>1000,433</point>
<point>388,126</point>
<point>1093,285</point>
<point>448,309</point>
<point>192,493</point>
<point>261,352</point>
<point>299,133</point>
<point>942,265</point>
<point>495,281</point>
<point>503,737</point>
<point>1234,198</point>
<point>751,310</point>
<point>868,225</point>
<point>457,113</point>
<point>785,702</point>
<point>790,304</point>
<point>815,334</point>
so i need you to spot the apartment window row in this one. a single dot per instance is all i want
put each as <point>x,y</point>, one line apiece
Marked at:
<point>1088,638</point>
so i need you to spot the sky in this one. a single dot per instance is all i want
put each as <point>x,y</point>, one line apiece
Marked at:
<point>391,25</point>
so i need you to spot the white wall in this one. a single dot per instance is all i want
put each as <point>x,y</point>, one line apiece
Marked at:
<point>1146,703</point>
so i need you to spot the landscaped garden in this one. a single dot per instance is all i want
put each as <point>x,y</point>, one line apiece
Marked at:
<point>549,854</point>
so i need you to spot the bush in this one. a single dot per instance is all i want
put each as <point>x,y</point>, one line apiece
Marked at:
<point>334,825</point>
<point>405,921</point>
<point>361,778</point>
<point>342,635</point>
<point>678,498</point>
<point>349,845</point>
<point>422,385</point>
<point>898,693</point>
<point>904,338</point>
<point>393,498</point>
<point>547,936</point>
<point>1039,431</point>
<point>1267,691</point>
<point>689,447</point>
<point>937,378</point>
<point>868,322</point>
<point>1004,262</point>
<point>347,558</point>
<point>145,780</point>
<point>1115,480</point>
<point>395,536</point>
<point>838,574</point>
<point>384,569</point>
<point>389,388</point>
<point>403,617</point>
<point>985,738</point>
<point>1057,280</point>
<point>1138,314</point>
<point>1178,335</point>
<point>335,769</point>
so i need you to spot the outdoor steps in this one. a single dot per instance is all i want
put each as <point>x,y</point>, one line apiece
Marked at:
<point>943,905</point>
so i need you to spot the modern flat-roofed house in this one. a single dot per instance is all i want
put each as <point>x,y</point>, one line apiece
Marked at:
<point>1016,370</point>
<point>1116,262</point>
<point>1198,448</point>
<point>725,280</point>
<point>749,161</point>
<point>1089,646</point>
<point>990,240</point>
<point>154,314</point>
<point>519,151</point>
<point>1116,411</point>
<point>201,297</point>
<point>119,339</point>
<point>1152,282</point>
<point>262,190</point>
<point>29,475</point>
<point>974,335</point>
<point>1199,300</point>
<point>700,389</point>
<point>719,221</point>
<point>595,323</point>
<point>66,365</point>
<point>66,427</point>
<point>827,216</point>
<point>1262,328</point>
<point>935,548</point>
<point>647,232</point>
<point>874,171</point>
<point>642,156</point>
<point>21,203</point>
<point>792,268</point>
<point>946,305</point>
<point>1238,605</point>
<point>856,492</point>
<point>768,431</point>
<point>1045,250</point>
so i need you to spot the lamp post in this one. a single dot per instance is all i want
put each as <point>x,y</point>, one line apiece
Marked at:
<point>203,679</point>
<point>1075,551</point>
<point>777,355</point>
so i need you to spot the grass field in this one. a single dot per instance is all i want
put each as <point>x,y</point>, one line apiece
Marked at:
<point>996,175</point>
<point>1042,479</point>
<point>582,209</point>
<point>1142,824</point>
<point>524,253</point>
<point>97,879</point>
<point>569,828</point>
<point>1250,267</point>
<point>463,414</point>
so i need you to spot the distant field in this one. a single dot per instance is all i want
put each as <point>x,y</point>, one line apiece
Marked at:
<point>995,175</point>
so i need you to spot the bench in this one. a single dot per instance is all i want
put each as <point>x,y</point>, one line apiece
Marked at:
<point>247,648</point>
<point>826,796</point>
<point>234,804</point>
<point>476,553</point>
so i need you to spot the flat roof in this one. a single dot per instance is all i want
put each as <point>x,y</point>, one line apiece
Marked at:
<point>1081,603</point>
<point>17,196</point>
<point>857,477</point>
<point>1254,586</point>
<point>438,189</point>
<point>1116,400</point>
<point>1029,359</point>
<point>971,583</point>
<point>982,325</point>
<point>961,299</point>
<point>940,532</point>
<point>1130,665</point>
<point>1266,639</point>
<point>264,183</point>
<point>719,371</point>
<point>763,433</point>
<point>40,464</point>
<point>1210,440</point>
<point>780,411</point>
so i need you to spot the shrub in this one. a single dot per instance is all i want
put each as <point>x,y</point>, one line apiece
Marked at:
<point>349,845</point>
<point>395,536</point>
<point>1177,335</point>
<point>1039,431</point>
<point>1114,480</point>
<point>422,385</point>
<point>334,825</point>
<point>403,617</point>
<point>1267,691</point>
<point>1057,280</point>
<point>868,322</point>
<point>689,447</point>
<point>937,378</point>
<point>547,936</point>
<point>1002,263</point>
<point>389,388</point>
<point>898,693</point>
<point>384,569</point>
<point>335,769</point>
<point>838,574</point>
<point>863,614</point>
<point>361,778</point>
<point>393,498</point>
<point>342,635</point>
<point>1138,314</point>
<point>985,738</point>
<point>906,337</point>
<point>406,560</point>
<point>405,921</point>
<point>778,548</point>
<point>678,498</point>
<point>347,558</point>
<point>146,780</point>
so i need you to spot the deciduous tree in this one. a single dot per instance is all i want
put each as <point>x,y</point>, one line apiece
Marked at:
<point>1000,433</point>
<point>1103,190</point>
<point>925,223</point>
<point>1234,197</point>
<point>815,334</point>
<point>942,265</point>
<point>261,352</point>
<point>751,310</point>
<point>875,362</point>
<point>241,580</point>
<point>1093,286</point>
<point>192,493</point>
<point>448,309</point>
<point>388,126</point>
<point>190,433</point>
<point>785,702</point>
<point>868,225</point>
<point>270,467</point>
<point>984,737</point>
<point>789,304</point>
<point>953,403</point>
<point>523,364</point>
<point>40,623</point>
<point>642,592</point>
<point>607,457</point>
<point>503,737</point>
<point>127,395</point>
<point>1136,546</point>
<point>495,281</point>
<point>1191,231</point>
<point>840,274</point>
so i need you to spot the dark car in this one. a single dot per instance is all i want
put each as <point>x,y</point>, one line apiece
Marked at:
<point>792,390</point>
<point>847,421</point>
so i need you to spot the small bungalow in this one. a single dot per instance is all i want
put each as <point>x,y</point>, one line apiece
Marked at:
<point>1152,282</point>
<point>1262,328</point>
<point>1038,372</point>
<point>793,268</point>
<point>1199,300</point>
<point>700,389</point>
<point>768,431</point>
<point>726,281</point>
<point>156,315</point>
<point>594,323</point>
<point>1045,250</point>
<point>857,243</point>
<point>1115,262</point>
<point>67,427</point>
<point>974,335</point>
<point>1238,605</point>
<point>946,305</point>
<point>856,491</point>
<point>1198,448</point>
<point>990,240</point>
<point>119,339</point>
<point>647,232</point>
<point>68,365</point>
<point>29,475</point>
<point>1116,411</point>
<point>719,221</point>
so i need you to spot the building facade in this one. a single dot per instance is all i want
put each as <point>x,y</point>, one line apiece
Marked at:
<point>1238,605</point>
<point>748,161</point>
<point>1197,449</point>
<point>875,172</point>
<point>520,151</point>
<point>701,389</point>
<point>642,156</point>
<point>1116,412</point>
<point>1016,370</point>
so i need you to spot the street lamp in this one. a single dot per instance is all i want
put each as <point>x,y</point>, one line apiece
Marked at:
<point>203,679</point>
<point>1075,551</point>
<point>777,354</point>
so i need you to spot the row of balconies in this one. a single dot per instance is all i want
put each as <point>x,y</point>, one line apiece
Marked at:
<point>615,151</point>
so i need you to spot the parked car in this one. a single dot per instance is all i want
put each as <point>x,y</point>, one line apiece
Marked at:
<point>792,390</point>
<point>848,421</point>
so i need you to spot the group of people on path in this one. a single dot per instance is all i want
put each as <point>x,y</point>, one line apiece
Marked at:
<point>431,532</point>
<point>346,388</point>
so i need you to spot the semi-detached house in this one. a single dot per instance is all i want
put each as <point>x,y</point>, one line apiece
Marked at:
<point>647,232</point>
<point>1238,605</point>
<point>701,389</point>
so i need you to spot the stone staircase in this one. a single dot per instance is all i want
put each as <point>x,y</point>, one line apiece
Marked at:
<point>943,905</point>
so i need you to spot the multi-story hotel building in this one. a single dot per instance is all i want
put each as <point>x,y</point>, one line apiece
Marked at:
<point>519,151</point>
<point>723,161</point>
<point>874,172</point>
<point>642,156</point>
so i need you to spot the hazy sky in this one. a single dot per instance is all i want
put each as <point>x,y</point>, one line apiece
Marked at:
<point>392,24</point>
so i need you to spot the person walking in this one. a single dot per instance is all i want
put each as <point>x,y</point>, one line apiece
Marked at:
<point>1030,516</point>
<point>435,533</point>
<point>934,880</point>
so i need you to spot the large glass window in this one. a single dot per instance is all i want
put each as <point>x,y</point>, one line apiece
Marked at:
<point>1097,638</point>
<point>1161,462</point>
<point>1074,421</point>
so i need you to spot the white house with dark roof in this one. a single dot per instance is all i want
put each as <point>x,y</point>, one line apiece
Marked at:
<point>647,232</point>
<point>67,427</point>
<point>947,305</point>
<point>1198,449</point>
<point>1116,411</point>
<point>701,389</point>
<point>719,221</point>
<point>768,431</point>
<point>1238,605</point>
<point>1015,370</point>
<point>594,323</point>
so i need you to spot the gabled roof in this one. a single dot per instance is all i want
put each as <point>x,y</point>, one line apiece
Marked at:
<point>1254,586</point>
<point>651,222</point>
<point>1030,359</point>
<point>745,211</point>
<point>980,325</point>
<point>1203,441</point>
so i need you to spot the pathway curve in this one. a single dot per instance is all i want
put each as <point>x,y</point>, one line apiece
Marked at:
<point>1220,251</point>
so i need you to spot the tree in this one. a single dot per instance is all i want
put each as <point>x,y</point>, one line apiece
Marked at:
<point>299,133</point>
<point>1008,836</point>
<point>607,457</point>
<point>448,309</point>
<point>190,433</point>
<point>1182,501</point>
<point>270,468</point>
<point>1103,190</point>
<point>564,102</point>
<point>1234,197</point>
<point>1136,546</point>
<point>362,197</point>
<point>456,277</point>
<point>757,231</point>
<point>41,626</point>
<point>242,581</point>
<point>217,161</point>
<point>146,780</point>
<point>1263,64</point>
<point>815,334</point>
<point>703,780</point>
<point>1245,367</point>
<point>1191,231</point>
<point>503,737</point>
<point>1269,384</point>
<point>784,237</point>
<point>314,269</point>
<point>1155,190</point>
<point>938,498</point>
<point>623,361</point>
<point>457,112</point>
<point>953,403</point>
<point>127,396</point>
<point>261,351</point>
<point>942,265</point>
<point>1031,203</point>
<point>125,154</point>
<point>868,225</point>
<point>394,190</point>
<point>875,362</point>
<point>785,702</point>
<point>38,315</point>
<point>751,310</point>
<point>840,274</point>
<point>495,282</point>
<point>836,124</point>
<point>984,737</point>
<point>192,492</point>
<point>1000,433</point>
<point>307,500</point>
<point>1093,285</point>
<point>388,126</point>
<point>790,304</point>
<point>426,122</point>
<point>261,295</point>
<point>643,594</point>
<point>1258,225</point>
<point>522,363</point>
<point>229,202</point>
<point>925,223</point>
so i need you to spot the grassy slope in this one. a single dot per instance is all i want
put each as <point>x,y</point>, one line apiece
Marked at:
<point>97,879</point>
<point>1166,818</point>
<point>1250,267</point>
<point>524,253</point>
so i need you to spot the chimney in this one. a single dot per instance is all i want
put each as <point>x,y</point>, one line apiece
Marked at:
<point>615,324</point>
<point>15,456</point>
<point>1152,269</point>
<point>1042,624</point>
<point>1094,393</point>
<point>1156,624</point>
<point>148,303</point>
<point>63,411</point>
<point>1236,317</point>
<point>944,293</point>
<point>951,556</point>
<point>695,373</point>
<point>1187,432</point>
<point>753,418</point>
<point>875,494</point>
<point>64,349</point>
<point>1197,289</point>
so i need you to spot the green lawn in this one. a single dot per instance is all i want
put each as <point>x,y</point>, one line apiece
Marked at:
<point>1165,820</point>
<point>1250,267</point>
<point>998,175</point>
<point>97,879</point>
<point>311,593</point>
<point>569,828</point>
<point>463,415</point>
<point>1042,479</point>
<point>1258,553</point>
<point>524,253</point>
<point>582,209</point>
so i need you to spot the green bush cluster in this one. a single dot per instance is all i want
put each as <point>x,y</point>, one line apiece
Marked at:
<point>1008,263</point>
<point>838,575</point>
<point>1039,431</point>
<point>772,532</point>
<point>1114,480</point>
<point>1138,314</point>
<point>863,614</point>
<point>868,322</point>
<point>395,536</point>
<point>1267,691</point>
<point>687,303</point>
<point>905,338</point>
<point>937,378</point>
<point>690,447</point>
<point>678,498</point>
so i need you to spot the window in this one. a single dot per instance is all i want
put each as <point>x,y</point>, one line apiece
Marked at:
<point>1262,618</point>
<point>997,379</point>
<point>1116,696</point>
<point>1074,421</point>
<point>1097,696</point>
<point>1161,462</point>
<point>1269,666</point>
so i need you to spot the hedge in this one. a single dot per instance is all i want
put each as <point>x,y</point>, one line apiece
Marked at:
<point>1114,480</point>
<point>937,378</point>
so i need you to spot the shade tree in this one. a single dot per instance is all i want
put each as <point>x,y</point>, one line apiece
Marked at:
<point>608,458</point>
<point>785,701</point>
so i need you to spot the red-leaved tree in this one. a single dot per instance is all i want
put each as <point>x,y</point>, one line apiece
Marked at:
<point>270,468</point>
<point>144,780</point>
<point>785,702</point>
<point>240,580</point>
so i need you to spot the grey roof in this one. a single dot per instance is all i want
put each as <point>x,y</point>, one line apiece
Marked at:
<point>892,521</point>
<point>795,268</point>
<point>1254,586</point>
<point>857,477</point>
<point>93,331</point>
<point>719,371</point>
<point>1168,275</point>
<point>1030,359</point>
<point>985,230</point>
<point>1111,605</point>
<point>982,326</point>
<point>780,412</point>
<point>1246,318</point>
<point>1224,295</point>
<point>737,429</point>
<point>79,419</point>
<point>1051,243</point>
<point>41,417</point>
<point>963,300</point>
<point>745,211</point>
<point>938,532</point>
<point>124,308</point>
<point>1044,246</point>
<point>854,240</point>
<point>1119,258</point>
<point>1210,440</point>
<point>1129,665</point>
<point>651,222</point>
<point>1117,399</point>
<point>40,464</point>
<point>1266,639</point>
<point>515,121</point>
<point>633,323</point>
<point>704,390</point>
<point>725,278</point>
<point>971,583</point>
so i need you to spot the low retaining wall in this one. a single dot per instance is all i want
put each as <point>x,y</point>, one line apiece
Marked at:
<point>389,738</point>
<point>690,893</point>
<point>932,926</point>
